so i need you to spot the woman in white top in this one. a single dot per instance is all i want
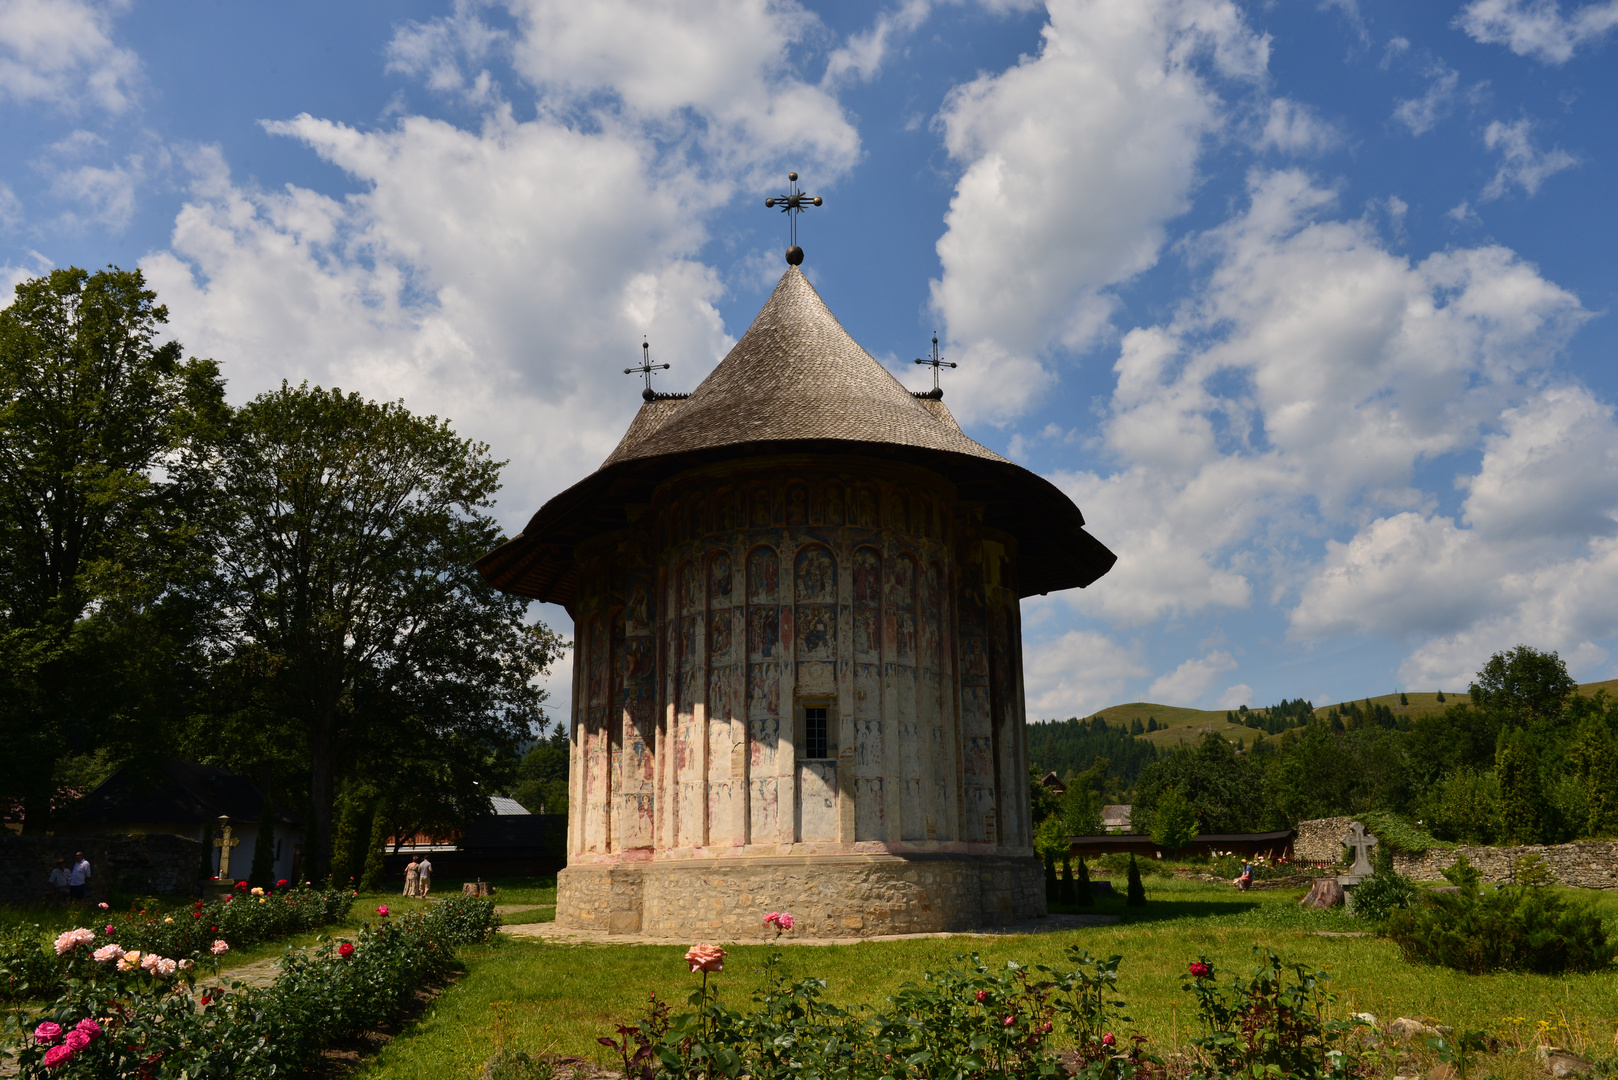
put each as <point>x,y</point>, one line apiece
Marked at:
<point>410,878</point>
<point>59,882</point>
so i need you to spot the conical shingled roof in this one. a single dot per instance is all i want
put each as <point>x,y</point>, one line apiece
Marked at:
<point>818,383</point>
<point>797,382</point>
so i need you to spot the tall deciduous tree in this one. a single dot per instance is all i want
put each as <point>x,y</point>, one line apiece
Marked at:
<point>1529,686</point>
<point>355,628</point>
<point>99,426</point>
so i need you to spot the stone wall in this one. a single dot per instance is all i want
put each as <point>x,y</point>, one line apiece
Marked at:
<point>146,864</point>
<point>1585,864</point>
<point>851,896</point>
<point>1321,840</point>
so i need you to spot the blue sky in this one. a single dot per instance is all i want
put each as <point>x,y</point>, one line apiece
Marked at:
<point>1308,305</point>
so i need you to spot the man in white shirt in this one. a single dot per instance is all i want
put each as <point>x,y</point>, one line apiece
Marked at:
<point>78,882</point>
<point>424,877</point>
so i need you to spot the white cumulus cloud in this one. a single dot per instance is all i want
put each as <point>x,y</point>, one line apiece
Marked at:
<point>1074,161</point>
<point>1538,28</point>
<point>1188,683</point>
<point>61,52</point>
<point>1076,674</point>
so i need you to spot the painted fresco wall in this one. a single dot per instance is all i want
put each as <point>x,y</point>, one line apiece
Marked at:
<point>738,596</point>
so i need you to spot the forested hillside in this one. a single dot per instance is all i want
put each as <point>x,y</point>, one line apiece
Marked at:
<point>1526,755</point>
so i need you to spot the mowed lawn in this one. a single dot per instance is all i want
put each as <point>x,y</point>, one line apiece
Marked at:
<point>561,998</point>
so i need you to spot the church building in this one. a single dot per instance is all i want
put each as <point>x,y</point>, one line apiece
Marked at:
<point>798,651</point>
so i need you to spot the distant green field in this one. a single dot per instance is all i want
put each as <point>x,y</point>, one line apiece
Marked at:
<point>1177,725</point>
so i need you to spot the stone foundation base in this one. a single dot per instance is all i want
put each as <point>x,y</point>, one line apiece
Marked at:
<point>850,896</point>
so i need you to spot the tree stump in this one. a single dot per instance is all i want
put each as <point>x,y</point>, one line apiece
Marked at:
<point>1325,893</point>
<point>477,888</point>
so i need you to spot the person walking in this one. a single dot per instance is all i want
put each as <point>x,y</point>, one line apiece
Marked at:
<point>425,877</point>
<point>59,882</point>
<point>78,879</point>
<point>412,872</point>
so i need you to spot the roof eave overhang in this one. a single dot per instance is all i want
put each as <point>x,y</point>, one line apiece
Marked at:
<point>1055,552</point>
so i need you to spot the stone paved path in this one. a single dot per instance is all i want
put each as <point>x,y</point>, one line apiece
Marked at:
<point>549,931</point>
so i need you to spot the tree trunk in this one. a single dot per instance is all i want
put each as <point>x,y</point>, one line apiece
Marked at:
<point>320,798</point>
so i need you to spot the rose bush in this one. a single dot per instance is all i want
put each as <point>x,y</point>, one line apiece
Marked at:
<point>142,1014</point>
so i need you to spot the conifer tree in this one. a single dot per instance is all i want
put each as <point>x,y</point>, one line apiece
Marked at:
<point>1521,801</point>
<point>1068,895</point>
<point>1137,891</point>
<point>1083,895</point>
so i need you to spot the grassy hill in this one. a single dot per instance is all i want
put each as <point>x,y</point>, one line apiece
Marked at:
<point>1177,725</point>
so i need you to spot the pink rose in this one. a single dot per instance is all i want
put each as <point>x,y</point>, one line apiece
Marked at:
<point>1109,1040</point>
<point>186,965</point>
<point>165,967</point>
<point>150,961</point>
<point>703,957</point>
<point>1008,1021</point>
<point>90,1028</point>
<point>67,940</point>
<point>769,920</point>
<point>76,1040</point>
<point>382,910</point>
<point>58,1055</point>
<point>109,929</point>
<point>47,1033</point>
<point>108,953</point>
<point>102,905</point>
<point>219,948</point>
<point>786,921</point>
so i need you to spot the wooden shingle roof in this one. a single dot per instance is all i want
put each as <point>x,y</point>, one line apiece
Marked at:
<point>797,382</point>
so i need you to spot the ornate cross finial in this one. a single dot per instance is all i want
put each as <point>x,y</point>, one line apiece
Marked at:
<point>793,203</point>
<point>646,368</point>
<point>935,363</point>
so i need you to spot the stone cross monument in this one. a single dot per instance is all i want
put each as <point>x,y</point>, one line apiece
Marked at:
<point>1361,842</point>
<point>798,662</point>
<point>224,842</point>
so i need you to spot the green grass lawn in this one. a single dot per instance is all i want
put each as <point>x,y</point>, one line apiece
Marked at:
<point>560,998</point>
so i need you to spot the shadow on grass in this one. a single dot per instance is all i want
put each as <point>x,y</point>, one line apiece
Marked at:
<point>1159,909</point>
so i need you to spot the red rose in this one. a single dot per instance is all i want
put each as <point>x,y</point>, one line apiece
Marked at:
<point>345,950</point>
<point>1108,1040</point>
<point>1201,970</point>
<point>982,996</point>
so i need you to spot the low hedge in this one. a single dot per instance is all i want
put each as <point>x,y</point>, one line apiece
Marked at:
<point>165,1019</point>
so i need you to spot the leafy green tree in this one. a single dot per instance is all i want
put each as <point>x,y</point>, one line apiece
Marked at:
<point>1174,821</point>
<point>1465,806</point>
<point>1081,811</point>
<point>1226,789</point>
<point>100,429</point>
<point>542,777</point>
<point>1522,803</point>
<point>1526,685</point>
<point>353,623</point>
<point>1042,801</point>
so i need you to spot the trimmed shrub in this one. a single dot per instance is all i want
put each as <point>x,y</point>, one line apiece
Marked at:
<point>1524,926</point>
<point>1384,892</point>
<point>1137,892</point>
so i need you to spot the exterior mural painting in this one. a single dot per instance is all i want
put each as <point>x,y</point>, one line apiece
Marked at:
<point>798,669</point>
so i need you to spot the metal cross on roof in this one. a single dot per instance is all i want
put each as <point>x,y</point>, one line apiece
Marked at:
<point>646,368</point>
<point>793,203</point>
<point>935,363</point>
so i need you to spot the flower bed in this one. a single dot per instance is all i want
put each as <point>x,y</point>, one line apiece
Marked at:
<point>248,917</point>
<point>970,1021</point>
<point>159,1017</point>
